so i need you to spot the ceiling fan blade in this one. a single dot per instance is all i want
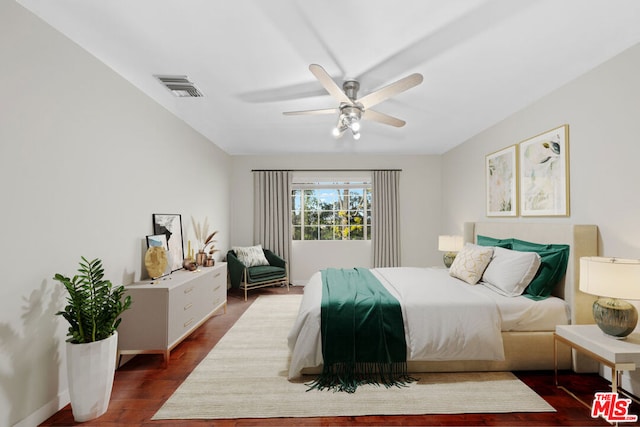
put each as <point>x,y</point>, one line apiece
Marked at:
<point>284,93</point>
<point>388,91</point>
<point>313,112</point>
<point>329,84</point>
<point>379,117</point>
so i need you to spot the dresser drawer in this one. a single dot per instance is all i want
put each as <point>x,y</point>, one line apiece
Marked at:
<point>183,309</point>
<point>218,293</point>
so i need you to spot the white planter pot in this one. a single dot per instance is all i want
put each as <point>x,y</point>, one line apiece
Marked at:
<point>90,370</point>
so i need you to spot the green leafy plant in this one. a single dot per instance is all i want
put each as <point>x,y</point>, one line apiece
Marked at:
<point>93,306</point>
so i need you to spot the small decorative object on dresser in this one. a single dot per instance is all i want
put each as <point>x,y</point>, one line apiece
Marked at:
<point>189,264</point>
<point>168,310</point>
<point>156,260</point>
<point>205,241</point>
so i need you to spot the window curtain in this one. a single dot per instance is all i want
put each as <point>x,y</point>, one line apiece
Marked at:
<point>272,211</point>
<point>385,233</point>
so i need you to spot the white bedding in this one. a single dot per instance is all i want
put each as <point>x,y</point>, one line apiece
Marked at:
<point>472,330</point>
<point>521,314</point>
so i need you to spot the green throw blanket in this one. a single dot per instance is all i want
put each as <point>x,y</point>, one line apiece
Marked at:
<point>362,333</point>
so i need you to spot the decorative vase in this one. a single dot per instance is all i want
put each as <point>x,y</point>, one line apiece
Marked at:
<point>90,370</point>
<point>201,257</point>
<point>210,262</point>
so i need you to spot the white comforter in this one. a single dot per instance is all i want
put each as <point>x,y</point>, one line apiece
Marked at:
<point>444,318</point>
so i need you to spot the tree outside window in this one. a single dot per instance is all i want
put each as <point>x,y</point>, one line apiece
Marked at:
<point>331,211</point>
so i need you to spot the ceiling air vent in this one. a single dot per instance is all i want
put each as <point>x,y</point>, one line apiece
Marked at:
<point>180,86</point>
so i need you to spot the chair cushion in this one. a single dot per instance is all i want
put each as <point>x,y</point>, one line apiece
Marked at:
<point>251,255</point>
<point>264,273</point>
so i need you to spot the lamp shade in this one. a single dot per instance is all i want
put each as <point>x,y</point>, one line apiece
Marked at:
<point>450,243</point>
<point>610,277</point>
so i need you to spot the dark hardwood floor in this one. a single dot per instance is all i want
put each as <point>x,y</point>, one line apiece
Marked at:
<point>143,384</point>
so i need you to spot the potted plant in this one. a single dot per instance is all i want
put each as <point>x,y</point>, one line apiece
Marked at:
<point>93,311</point>
<point>205,241</point>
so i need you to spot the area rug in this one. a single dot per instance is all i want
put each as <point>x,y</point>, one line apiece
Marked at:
<point>245,376</point>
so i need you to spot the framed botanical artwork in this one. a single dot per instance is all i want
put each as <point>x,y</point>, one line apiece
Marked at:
<point>171,226</point>
<point>544,174</point>
<point>501,178</point>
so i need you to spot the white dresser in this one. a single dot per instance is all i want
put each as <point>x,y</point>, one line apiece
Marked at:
<point>165,311</point>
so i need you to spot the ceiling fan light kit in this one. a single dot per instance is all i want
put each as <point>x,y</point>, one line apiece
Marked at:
<point>353,110</point>
<point>349,118</point>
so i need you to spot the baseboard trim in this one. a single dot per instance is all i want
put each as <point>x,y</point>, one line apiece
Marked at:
<point>45,411</point>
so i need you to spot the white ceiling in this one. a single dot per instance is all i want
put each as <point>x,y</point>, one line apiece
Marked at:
<point>482,60</point>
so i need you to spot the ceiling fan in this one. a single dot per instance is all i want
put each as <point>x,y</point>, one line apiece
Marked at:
<point>353,109</point>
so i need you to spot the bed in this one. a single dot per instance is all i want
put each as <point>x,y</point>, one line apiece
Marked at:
<point>524,338</point>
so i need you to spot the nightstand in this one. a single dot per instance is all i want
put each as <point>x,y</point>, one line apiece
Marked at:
<point>619,355</point>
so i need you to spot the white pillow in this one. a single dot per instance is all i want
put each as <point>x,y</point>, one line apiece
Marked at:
<point>251,256</point>
<point>509,272</point>
<point>471,262</point>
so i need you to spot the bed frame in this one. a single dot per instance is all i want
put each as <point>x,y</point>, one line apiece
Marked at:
<point>534,350</point>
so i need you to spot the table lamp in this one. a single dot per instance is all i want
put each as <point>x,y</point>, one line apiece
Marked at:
<point>450,245</point>
<point>611,279</point>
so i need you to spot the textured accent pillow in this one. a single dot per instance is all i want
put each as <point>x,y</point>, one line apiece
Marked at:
<point>471,262</point>
<point>251,256</point>
<point>509,272</point>
<point>491,241</point>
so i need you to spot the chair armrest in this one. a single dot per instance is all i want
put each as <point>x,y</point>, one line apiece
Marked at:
<point>236,269</point>
<point>274,259</point>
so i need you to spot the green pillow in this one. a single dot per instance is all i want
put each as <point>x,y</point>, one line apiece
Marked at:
<point>553,266</point>
<point>490,241</point>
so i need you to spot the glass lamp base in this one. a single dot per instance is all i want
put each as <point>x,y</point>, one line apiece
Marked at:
<point>615,317</point>
<point>448,258</point>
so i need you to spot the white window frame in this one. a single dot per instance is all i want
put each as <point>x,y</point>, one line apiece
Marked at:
<point>344,182</point>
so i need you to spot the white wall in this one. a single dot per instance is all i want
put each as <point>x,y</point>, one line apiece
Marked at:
<point>85,160</point>
<point>603,112</point>
<point>419,208</point>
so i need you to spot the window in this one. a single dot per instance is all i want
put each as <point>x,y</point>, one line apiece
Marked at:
<point>331,210</point>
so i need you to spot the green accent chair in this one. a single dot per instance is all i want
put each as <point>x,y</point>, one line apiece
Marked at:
<point>248,278</point>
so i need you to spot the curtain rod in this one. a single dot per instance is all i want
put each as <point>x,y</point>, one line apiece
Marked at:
<point>323,170</point>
